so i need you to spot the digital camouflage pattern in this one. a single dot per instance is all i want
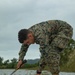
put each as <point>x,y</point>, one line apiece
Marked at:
<point>52,36</point>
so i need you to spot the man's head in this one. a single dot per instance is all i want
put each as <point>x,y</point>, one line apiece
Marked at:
<point>25,36</point>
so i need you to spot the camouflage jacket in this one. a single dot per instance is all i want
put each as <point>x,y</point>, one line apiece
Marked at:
<point>44,33</point>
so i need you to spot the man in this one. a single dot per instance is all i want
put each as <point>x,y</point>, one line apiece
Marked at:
<point>52,36</point>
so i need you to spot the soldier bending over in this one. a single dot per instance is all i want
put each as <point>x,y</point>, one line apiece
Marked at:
<point>52,36</point>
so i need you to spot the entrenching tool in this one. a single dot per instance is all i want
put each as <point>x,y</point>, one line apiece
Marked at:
<point>19,67</point>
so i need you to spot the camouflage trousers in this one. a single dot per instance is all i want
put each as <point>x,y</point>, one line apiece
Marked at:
<point>50,55</point>
<point>51,59</point>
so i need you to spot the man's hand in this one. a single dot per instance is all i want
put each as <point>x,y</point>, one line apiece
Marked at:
<point>19,64</point>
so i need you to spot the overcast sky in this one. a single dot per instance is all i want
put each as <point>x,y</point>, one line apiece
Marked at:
<point>18,14</point>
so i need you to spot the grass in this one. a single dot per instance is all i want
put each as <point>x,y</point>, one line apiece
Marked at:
<point>70,66</point>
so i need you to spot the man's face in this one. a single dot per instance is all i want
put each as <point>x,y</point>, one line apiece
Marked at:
<point>29,40</point>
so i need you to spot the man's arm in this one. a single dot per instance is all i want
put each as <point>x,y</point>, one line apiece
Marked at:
<point>22,53</point>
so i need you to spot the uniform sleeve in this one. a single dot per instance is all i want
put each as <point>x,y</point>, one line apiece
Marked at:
<point>23,51</point>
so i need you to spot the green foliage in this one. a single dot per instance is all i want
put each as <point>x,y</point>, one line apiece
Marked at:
<point>70,65</point>
<point>6,62</point>
<point>30,65</point>
<point>13,63</point>
<point>1,60</point>
<point>68,50</point>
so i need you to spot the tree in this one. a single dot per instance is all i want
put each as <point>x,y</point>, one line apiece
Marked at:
<point>13,62</point>
<point>1,60</point>
<point>6,62</point>
<point>68,50</point>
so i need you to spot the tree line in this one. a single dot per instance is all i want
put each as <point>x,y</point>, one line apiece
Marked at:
<point>64,58</point>
<point>13,63</point>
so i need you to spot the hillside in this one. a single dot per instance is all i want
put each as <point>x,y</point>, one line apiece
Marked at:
<point>70,65</point>
<point>32,61</point>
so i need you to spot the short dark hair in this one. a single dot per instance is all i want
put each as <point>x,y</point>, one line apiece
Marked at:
<point>22,35</point>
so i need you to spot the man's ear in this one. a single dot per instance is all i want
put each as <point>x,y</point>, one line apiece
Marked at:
<point>29,35</point>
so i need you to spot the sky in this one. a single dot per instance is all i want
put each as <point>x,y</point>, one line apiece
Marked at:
<point>20,14</point>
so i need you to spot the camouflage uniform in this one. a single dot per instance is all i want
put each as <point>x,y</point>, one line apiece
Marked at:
<point>52,36</point>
